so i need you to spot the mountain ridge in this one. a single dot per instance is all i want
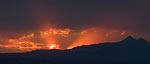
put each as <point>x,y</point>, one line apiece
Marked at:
<point>128,50</point>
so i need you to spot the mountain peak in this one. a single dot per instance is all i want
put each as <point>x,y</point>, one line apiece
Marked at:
<point>129,38</point>
<point>142,40</point>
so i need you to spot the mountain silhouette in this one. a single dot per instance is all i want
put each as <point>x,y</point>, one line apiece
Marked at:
<point>127,51</point>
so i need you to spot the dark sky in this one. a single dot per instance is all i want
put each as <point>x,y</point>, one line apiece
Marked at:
<point>130,15</point>
<point>19,17</point>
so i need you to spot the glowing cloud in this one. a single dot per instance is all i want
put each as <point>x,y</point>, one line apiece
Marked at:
<point>54,46</point>
<point>54,38</point>
<point>87,37</point>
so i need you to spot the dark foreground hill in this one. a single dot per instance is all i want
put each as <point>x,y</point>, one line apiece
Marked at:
<point>127,51</point>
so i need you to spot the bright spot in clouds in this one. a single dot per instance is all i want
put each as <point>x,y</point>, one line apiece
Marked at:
<point>53,46</point>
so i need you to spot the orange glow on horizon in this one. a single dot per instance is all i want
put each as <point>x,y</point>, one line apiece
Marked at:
<point>53,38</point>
<point>53,46</point>
<point>29,42</point>
<point>86,37</point>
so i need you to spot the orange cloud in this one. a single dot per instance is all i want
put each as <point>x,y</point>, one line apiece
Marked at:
<point>52,38</point>
<point>87,37</point>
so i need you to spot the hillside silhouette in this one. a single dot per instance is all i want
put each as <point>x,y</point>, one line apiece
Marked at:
<point>127,51</point>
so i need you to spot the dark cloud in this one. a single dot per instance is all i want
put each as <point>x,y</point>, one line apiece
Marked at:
<point>14,15</point>
<point>132,15</point>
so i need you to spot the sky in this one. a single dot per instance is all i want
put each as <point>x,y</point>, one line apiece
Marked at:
<point>27,25</point>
